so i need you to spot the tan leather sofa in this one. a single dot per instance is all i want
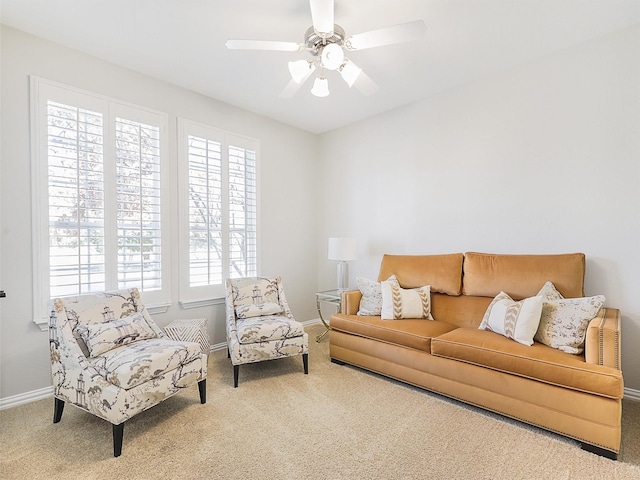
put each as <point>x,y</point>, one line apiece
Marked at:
<point>579,396</point>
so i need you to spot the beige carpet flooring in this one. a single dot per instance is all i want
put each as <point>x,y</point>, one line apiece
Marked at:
<point>338,422</point>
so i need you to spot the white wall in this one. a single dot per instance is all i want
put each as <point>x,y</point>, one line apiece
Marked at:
<point>288,171</point>
<point>544,158</point>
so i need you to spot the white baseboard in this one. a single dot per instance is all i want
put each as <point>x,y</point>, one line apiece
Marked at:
<point>632,394</point>
<point>313,321</point>
<point>23,398</point>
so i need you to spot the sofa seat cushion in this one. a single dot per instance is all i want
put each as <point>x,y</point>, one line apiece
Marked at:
<point>266,329</point>
<point>139,362</point>
<point>539,362</point>
<point>411,333</point>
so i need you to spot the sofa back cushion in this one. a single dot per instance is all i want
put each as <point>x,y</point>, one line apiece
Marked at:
<point>461,311</point>
<point>442,272</point>
<point>522,276</point>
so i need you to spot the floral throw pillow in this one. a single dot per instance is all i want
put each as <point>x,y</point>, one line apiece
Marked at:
<point>515,320</point>
<point>102,337</point>
<point>371,301</point>
<point>564,321</point>
<point>399,303</point>
<point>259,310</point>
<point>548,292</point>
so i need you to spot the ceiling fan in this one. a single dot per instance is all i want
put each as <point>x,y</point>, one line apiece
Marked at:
<point>327,43</point>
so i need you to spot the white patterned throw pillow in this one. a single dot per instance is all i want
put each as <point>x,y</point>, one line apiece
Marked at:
<point>371,301</point>
<point>564,321</point>
<point>260,310</point>
<point>399,303</point>
<point>102,337</point>
<point>548,292</point>
<point>515,320</point>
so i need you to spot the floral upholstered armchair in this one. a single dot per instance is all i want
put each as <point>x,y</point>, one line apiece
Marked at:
<point>260,325</point>
<point>109,358</point>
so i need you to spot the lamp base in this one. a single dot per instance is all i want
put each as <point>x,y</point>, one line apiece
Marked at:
<point>343,276</point>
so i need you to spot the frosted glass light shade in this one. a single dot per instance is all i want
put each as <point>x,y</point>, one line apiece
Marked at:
<point>332,56</point>
<point>320,87</point>
<point>350,72</point>
<point>342,248</point>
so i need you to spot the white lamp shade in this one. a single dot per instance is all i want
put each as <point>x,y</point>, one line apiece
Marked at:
<point>332,56</point>
<point>350,72</point>
<point>342,249</point>
<point>300,69</point>
<point>320,87</point>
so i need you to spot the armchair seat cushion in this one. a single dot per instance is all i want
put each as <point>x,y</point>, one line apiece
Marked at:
<point>266,329</point>
<point>139,362</point>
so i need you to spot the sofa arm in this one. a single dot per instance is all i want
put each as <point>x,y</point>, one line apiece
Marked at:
<point>602,342</point>
<point>350,302</point>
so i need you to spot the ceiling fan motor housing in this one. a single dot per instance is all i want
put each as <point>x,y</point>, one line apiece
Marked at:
<point>315,42</point>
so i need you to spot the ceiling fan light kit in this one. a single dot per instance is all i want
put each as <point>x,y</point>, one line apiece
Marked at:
<point>332,56</point>
<point>327,42</point>
<point>320,87</point>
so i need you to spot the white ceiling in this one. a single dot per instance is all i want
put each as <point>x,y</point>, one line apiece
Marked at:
<point>182,42</point>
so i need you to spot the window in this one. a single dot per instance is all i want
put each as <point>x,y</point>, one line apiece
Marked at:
<point>218,215</point>
<point>98,227</point>
<point>138,205</point>
<point>75,181</point>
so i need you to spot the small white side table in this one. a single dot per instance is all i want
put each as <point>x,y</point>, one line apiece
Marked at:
<point>333,297</point>
<point>190,330</point>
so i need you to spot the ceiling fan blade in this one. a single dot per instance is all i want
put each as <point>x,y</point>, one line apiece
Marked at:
<point>292,87</point>
<point>365,85</point>
<point>290,90</point>
<point>405,32</point>
<point>264,45</point>
<point>322,16</point>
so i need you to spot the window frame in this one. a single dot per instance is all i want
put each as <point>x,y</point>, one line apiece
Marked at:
<point>42,91</point>
<point>197,296</point>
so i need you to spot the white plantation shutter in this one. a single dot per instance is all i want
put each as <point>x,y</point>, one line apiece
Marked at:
<point>242,212</point>
<point>138,205</point>
<point>76,200</point>
<point>205,211</point>
<point>218,215</point>
<point>99,226</point>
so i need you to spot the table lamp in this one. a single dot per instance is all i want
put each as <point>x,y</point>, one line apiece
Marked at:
<point>343,250</point>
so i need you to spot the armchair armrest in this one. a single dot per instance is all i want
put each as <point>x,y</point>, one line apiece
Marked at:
<point>602,342</point>
<point>350,302</point>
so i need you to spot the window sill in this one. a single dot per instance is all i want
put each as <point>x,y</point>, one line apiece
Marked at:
<point>188,304</point>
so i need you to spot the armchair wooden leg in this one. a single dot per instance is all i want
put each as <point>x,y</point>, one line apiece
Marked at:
<point>236,370</point>
<point>58,407</point>
<point>202,388</point>
<point>118,433</point>
<point>305,362</point>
